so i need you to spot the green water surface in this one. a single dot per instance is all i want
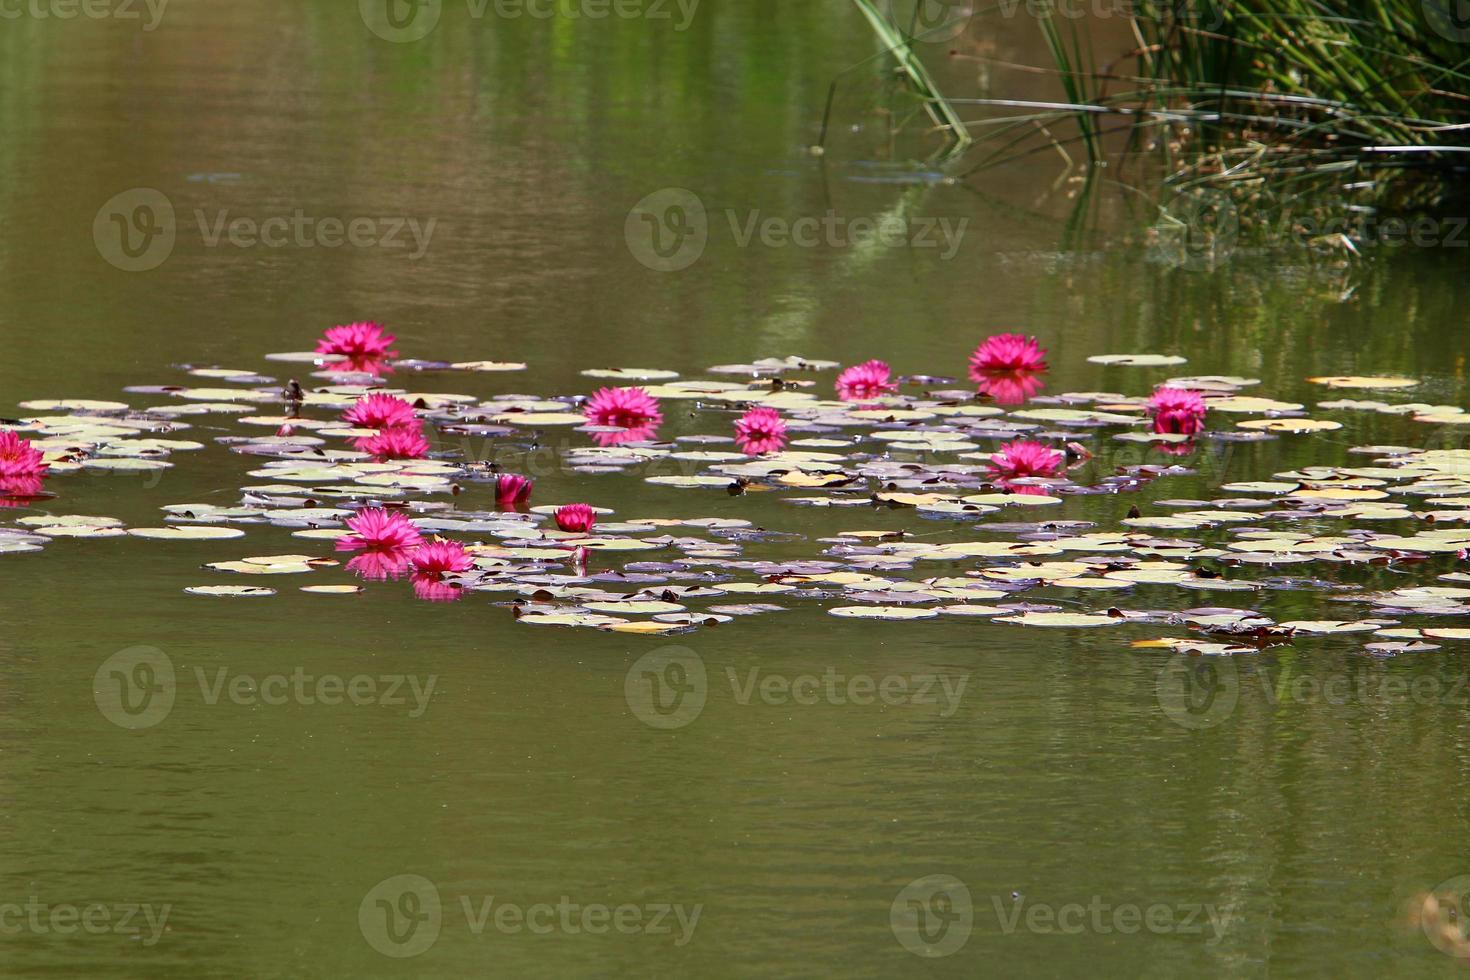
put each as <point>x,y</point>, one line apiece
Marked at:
<point>1055,780</point>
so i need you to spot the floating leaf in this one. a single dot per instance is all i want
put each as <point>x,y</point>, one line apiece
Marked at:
<point>1329,626</point>
<point>1077,620</point>
<point>488,366</point>
<point>230,591</point>
<point>1289,425</point>
<point>966,609</point>
<point>645,627</point>
<point>689,481</point>
<point>73,405</point>
<point>882,612</point>
<point>631,374</point>
<point>1138,360</point>
<point>81,531</point>
<point>192,532</point>
<point>1364,382</point>
<point>633,608</point>
<point>1249,405</point>
<point>569,619</point>
<point>125,464</point>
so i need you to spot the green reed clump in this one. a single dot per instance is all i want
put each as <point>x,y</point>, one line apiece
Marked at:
<point>1302,111</point>
<point>1305,87</point>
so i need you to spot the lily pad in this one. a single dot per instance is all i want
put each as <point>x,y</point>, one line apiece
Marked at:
<point>231,591</point>
<point>1289,425</point>
<point>882,612</point>
<point>631,374</point>
<point>1066,620</point>
<point>1138,360</point>
<point>1364,382</point>
<point>190,532</point>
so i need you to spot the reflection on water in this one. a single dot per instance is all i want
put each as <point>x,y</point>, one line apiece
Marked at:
<point>795,820</point>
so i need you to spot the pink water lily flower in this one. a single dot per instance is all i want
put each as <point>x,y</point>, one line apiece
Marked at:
<point>632,409</point>
<point>512,490</point>
<point>1025,458</point>
<point>1007,352</point>
<point>440,556</point>
<point>576,518</point>
<point>379,411</point>
<point>380,530</point>
<point>435,560</point>
<point>357,341</point>
<point>397,443</point>
<point>761,430</point>
<point>1176,410</point>
<point>18,458</point>
<point>870,379</point>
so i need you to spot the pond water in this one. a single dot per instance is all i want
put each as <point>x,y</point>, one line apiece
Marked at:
<point>1289,833</point>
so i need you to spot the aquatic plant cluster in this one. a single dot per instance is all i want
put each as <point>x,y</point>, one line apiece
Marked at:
<point>1282,122</point>
<point>371,473</point>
